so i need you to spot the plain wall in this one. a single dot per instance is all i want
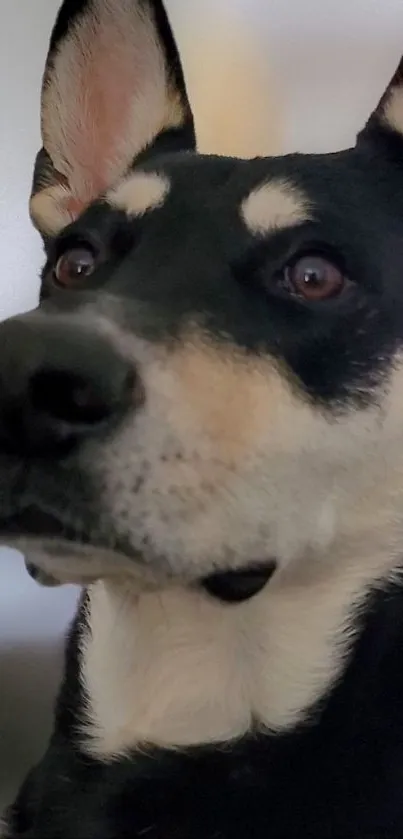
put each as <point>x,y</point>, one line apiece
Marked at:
<point>303,74</point>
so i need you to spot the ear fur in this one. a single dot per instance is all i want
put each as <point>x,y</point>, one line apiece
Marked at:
<point>386,121</point>
<point>113,86</point>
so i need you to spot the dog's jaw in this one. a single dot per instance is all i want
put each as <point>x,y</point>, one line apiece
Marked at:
<point>53,562</point>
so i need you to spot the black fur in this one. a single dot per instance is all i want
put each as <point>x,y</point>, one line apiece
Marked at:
<point>232,291</point>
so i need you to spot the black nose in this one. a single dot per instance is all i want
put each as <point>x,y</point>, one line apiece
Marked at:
<point>60,383</point>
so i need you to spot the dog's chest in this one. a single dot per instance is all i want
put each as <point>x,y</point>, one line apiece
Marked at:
<point>339,775</point>
<point>176,669</point>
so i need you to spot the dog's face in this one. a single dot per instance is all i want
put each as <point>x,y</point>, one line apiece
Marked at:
<point>213,377</point>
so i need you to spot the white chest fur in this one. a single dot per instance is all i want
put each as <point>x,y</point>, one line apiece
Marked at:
<point>176,668</point>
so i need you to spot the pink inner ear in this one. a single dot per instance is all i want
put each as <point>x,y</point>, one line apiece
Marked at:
<point>74,206</point>
<point>105,99</point>
<point>101,116</point>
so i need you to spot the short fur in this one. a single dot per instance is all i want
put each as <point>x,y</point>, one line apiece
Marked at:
<point>242,426</point>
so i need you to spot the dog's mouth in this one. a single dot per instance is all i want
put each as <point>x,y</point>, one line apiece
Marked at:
<point>66,556</point>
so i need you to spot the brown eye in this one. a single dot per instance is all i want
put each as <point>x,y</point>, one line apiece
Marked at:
<point>74,266</point>
<point>314,277</point>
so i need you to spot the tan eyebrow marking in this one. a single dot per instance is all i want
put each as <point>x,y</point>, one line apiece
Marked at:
<point>274,205</point>
<point>139,193</point>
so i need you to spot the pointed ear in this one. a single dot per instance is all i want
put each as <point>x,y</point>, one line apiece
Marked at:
<point>386,121</point>
<point>113,88</point>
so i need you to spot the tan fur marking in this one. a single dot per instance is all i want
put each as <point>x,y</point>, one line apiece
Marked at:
<point>393,110</point>
<point>51,209</point>
<point>139,193</point>
<point>227,399</point>
<point>274,205</point>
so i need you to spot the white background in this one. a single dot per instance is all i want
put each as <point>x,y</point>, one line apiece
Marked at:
<point>323,64</point>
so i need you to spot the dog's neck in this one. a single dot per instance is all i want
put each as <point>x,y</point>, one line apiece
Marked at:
<point>176,667</point>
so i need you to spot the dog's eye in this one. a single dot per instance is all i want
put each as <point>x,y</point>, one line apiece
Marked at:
<point>73,266</point>
<point>313,277</point>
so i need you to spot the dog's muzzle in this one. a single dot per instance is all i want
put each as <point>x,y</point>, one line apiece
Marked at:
<point>63,384</point>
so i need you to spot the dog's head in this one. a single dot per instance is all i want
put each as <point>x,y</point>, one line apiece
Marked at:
<point>213,379</point>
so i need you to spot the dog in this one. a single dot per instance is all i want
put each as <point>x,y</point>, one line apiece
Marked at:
<point>203,423</point>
